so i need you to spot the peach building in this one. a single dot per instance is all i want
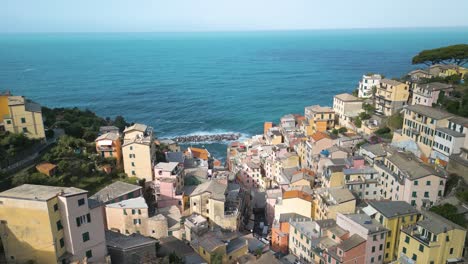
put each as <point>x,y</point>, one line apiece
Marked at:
<point>108,146</point>
<point>139,153</point>
<point>295,201</point>
<point>319,118</point>
<point>128,216</point>
<point>169,182</point>
<point>351,250</point>
<point>391,96</point>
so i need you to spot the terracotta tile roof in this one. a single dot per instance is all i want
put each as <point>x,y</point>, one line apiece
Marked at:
<point>46,166</point>
<point>319,136</point>
<point>297,194</point>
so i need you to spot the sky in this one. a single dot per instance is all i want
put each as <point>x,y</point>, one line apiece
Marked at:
<point>224,15</point>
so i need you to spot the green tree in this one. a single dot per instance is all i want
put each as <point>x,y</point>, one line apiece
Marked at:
<point>120,122</point>
<point>449,212</point>
<point>342,130</point>
<point>395,121</point>
<point>358,122</point>
<point>457,54</point>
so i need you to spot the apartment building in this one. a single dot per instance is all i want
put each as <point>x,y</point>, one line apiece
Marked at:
<point>428,93</point>
<point>330,201</point>
<point>24,116</point>
<point>169,183</point>
<point>450,140</point>
<point>347,107</point>
<point>128,216</point>
<point>219,202</point>
<point>433,239</point>
<point>404,178</point>
<point>420,124</point>
<point>367,83</point>
<point>391,96</point>
<point>49,224</point>
<point>280,231</point>
<point>369,229</point>
<point>319,119</point>
<point>393,215</point>
<point>138,152</point>
<point>294,201</point>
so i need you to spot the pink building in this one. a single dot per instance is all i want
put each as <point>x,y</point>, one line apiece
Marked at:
<point>271,196</point>
<point>351,250</point>
<point>168,183</point>
<point>369,229</point>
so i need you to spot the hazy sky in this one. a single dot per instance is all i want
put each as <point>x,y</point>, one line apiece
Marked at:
<point>201,15</point>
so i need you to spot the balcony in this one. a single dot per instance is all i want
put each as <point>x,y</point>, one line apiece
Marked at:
<point>104,148</point>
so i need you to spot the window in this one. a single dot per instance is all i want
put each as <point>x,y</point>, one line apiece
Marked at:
<point>139,211</point>
<point>55,207</point>
<point>372,260</point>
<point>89,254</point>
<point>131,147</point>
<point>374,238</point>
<point>414,257</point>
<point>133,164</point>
<point>414,194</point>
<point>125,212</point>
<point>8,122</point>
<point>451,251</point>
<point>85,236</point>
<point>415,183</point>
<point>421,248</point>
<point>407,239</point>
<point>381,247</point>
<point>133,173</point>
<point>439,193</point>
<point>382,236</point>
<point>62,243</point>
<point>447,238</point>
<point>59,225</point>
<point>25,130</point>
<point>390,233</point>
<point>133,211</point>
<point>81,202</point>
<point>135,221</point>
<point>88,218</point>
<point>373,249</point>
<point>426,194</point>
<point>404,250</point>
<point>441,183</point>
<point>23,120</point>
<point>386,255</point>
<point>388,244</point>
<point>78,222</point>
<point>413,202</point>
<point>380,257</point>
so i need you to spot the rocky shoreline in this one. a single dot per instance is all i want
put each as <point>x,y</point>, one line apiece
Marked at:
<point>207,138</point>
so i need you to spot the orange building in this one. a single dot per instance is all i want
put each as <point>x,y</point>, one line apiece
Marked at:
<point>199,153</point>
<point>108,145</point>
<point>280,231</point>
<point>266,127</point>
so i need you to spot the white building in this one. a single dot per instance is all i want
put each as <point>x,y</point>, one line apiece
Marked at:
<point>451,139</point>
<point>366,84</point>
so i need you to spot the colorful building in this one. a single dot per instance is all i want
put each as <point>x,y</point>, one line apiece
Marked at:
<point>428,93</point>
<point>280,231</point>
<point>393,215</point>
<point>139,153</point>
<point>319,118</point>
<point>367,83</point>
<point>169,183</point>
<point>433,239</point>
<point>347,107</point>
<point>108,146</point>
<point>391,96</point>
<point>24,116</point>
<point>328,202</point>
<point>47,224</point>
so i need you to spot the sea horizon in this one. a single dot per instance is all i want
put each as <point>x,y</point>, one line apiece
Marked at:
<point>206,82</point>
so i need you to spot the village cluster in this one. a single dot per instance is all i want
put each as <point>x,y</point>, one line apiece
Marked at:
<point>336,184</point>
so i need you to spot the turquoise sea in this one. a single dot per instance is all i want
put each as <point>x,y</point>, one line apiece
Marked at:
<point>187,83</point>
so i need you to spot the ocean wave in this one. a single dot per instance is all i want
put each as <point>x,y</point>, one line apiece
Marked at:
<point>29,69</point>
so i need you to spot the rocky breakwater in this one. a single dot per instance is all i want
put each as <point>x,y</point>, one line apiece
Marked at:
<point>207,138</point>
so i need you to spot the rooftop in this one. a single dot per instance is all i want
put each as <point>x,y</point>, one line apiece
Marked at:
<point>136,127</point>
<point>287,217</point>
<point>429,111</point>
<point>346,97</point>
<point>305,227</point>
<point>352,242</point>
<point>367,222</point>
<point>391,82</point>
<point>341,195</point>
<point>297,194</point>
<point>216,189</point>
<point>114,190</point>
<point>108,136</point>
<point>46,166</point>
<point>437,224</point>
<point>166,166</point>
<point>410,166</point>
<point>392,209</point>
<point>319,136</point>
<point>123,242</point>
<point>376,149</point>
<point>435,86</point>
<point>459,120</point>
<point>134,203</point>
<point>450,132</point>
<point>320,109</point>
<point>40,192</point>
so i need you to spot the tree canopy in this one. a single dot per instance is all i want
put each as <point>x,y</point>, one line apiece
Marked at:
<point>455,54</point>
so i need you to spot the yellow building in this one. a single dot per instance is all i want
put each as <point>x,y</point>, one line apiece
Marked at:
<point>294,201</point>
<point>330,201</point>
<point>391,96</point>
<point>24,116</point>
<point>319,119</point>
<point>393,215</point>
<point>4,105</point>
<point>46,224</point>
<point>333,176</point>
<point>226,249</point>
<point>138,151</point>
<point>419,125</point>
<point>432,240</point>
